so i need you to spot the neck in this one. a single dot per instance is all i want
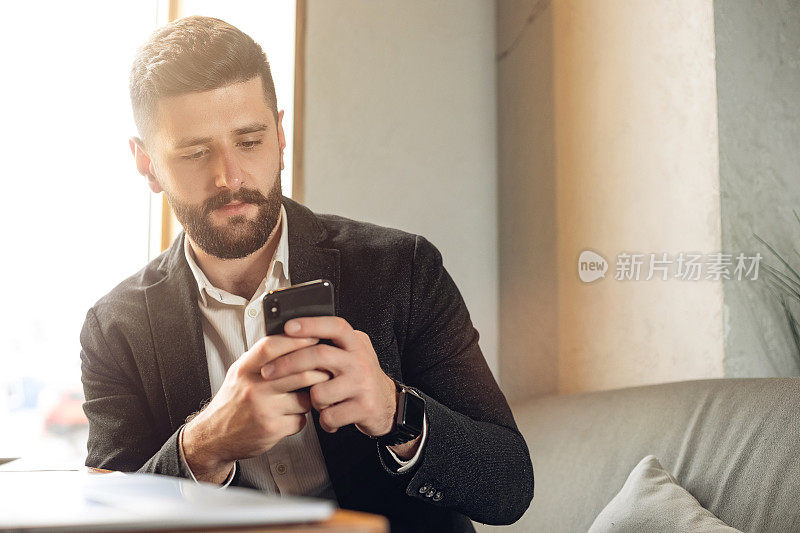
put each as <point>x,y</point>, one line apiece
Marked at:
<point>241,277</point>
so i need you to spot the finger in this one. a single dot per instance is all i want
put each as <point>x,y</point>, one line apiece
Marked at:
<point>298,380</point>
<point>325,394</point>
<point>334,328</point>
<point>338,415</point>
<point>296,403</point>
<point>269,348</point>
<point>293,424</point>
<point>317,357</point>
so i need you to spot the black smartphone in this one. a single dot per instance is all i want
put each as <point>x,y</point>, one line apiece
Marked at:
<point>313,298</point>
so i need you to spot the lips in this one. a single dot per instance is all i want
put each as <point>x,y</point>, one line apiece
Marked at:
<point>233,208</point>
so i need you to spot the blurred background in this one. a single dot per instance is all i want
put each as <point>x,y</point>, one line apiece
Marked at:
<point>513,134</point>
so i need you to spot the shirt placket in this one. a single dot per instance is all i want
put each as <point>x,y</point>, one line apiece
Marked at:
<point>252,326</point>
<point>280,463</point>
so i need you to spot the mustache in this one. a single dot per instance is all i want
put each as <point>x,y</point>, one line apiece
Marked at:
<point>249,196</point>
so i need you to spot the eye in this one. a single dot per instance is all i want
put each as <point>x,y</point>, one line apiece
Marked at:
<point>250,145</point>
<point>195,155</point>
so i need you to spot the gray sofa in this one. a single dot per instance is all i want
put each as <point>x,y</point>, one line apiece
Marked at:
<point>734,444</point>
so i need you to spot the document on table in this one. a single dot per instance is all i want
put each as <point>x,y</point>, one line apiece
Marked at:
<point>81,501</point>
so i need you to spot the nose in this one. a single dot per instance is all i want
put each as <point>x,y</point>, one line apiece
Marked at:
<point>229,172</point>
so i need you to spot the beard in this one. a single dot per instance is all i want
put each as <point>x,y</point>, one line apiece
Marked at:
<point>239,236</point>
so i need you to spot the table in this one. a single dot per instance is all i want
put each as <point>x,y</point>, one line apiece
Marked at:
<point>343,521</point>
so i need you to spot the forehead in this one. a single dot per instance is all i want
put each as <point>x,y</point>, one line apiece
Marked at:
<point>211,113</point>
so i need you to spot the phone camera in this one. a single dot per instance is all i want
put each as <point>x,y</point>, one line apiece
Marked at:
<point>274,309</point>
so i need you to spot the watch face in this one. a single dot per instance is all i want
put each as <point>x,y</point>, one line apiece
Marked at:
<point>413,413</point>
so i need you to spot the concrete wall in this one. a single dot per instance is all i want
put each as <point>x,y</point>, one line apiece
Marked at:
<point>400,130</point>
<point>758,86</point>
<point>527,196</point>
<point>607,139</point>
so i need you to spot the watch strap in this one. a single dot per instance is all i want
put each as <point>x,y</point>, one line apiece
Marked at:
<point>401,433</point>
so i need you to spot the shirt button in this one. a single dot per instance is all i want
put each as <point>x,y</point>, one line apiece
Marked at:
<point>437,496</point>
<point>280,468</point>
<point>252,312</point>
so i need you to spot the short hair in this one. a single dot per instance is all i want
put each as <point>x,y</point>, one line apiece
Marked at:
<point>194,54</point>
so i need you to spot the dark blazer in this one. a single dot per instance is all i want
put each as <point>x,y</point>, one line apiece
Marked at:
<point>144,371</point>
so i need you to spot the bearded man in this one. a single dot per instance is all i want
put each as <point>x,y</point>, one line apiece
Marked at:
<point>179,376</point>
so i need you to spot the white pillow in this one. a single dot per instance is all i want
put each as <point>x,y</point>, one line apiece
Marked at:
<point>652,501</point>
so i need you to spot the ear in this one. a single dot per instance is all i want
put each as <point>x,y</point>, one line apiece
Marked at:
<point>144,164</point>
<point>281,135</point>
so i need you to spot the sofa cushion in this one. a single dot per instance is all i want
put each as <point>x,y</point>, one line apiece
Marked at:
<point>652,501</point>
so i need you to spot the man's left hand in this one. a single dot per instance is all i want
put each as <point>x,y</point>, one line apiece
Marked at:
<point>359,392</point>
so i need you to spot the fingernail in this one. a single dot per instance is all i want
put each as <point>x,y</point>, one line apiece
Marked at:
<point>292,326</point>
<point>267,370</point>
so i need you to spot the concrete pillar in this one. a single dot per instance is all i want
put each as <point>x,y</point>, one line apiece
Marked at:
<point>636,171</point>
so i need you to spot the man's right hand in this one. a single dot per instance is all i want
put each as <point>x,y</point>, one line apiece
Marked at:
<point>249,415</point>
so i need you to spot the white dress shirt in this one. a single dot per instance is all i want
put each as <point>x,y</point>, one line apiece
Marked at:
<point>231,326</point>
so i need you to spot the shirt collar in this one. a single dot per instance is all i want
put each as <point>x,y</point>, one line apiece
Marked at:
<point>278,266</point>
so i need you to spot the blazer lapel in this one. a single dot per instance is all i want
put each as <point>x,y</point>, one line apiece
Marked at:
<point>310,259</point>
<point>178,337</point>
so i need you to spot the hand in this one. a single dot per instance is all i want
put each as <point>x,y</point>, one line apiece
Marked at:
<point>359,392</point>
<point>249,415</point>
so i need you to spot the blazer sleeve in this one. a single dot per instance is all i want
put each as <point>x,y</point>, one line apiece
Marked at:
<point>475,460</point>
<point>122,433</point>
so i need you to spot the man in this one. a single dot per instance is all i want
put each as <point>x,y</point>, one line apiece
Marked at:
<point>179,377</point>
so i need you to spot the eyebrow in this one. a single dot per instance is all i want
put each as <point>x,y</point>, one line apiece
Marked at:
<point>251,128</point>
<point>193,141</point>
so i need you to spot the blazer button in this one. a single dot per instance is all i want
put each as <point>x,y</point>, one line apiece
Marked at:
<point>437,496</point>
<point>424,488</point>
<point>430,493</point>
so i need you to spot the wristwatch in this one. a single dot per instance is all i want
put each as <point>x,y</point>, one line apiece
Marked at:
<point>408,419</point>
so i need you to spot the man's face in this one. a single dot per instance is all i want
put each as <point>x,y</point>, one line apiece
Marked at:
<point>217,155</point>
